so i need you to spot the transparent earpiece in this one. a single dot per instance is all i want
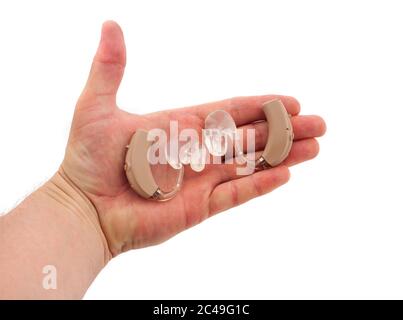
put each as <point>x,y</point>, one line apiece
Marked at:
<point>198,158</point>
<point>219,128</point>
<point>185,152</point>
<point>216,141</point>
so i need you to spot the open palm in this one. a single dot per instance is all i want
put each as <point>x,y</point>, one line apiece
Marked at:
<point>96,151</point>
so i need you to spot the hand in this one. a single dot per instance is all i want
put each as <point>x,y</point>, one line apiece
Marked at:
<point>100,131</point>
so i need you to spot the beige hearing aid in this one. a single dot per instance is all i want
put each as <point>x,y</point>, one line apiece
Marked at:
<point>138,170</point>
<point>281,135</point>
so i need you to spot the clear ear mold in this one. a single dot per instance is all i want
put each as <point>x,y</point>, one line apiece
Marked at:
<point>219,128</point>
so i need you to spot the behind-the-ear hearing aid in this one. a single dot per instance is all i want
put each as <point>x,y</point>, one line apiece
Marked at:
<point>281,135</point>
<point>138,170</point>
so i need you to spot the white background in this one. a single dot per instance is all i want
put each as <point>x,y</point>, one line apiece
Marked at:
<point>334,231</point>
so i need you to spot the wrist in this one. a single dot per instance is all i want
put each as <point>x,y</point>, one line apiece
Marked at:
<point>55,227</point>
<point>65,194</point>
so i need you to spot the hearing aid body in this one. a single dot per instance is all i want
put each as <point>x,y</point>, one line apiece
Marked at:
<point>280,134</point>
<point>138,170</point>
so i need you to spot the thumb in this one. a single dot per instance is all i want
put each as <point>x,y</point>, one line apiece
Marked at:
<point>108,65</point>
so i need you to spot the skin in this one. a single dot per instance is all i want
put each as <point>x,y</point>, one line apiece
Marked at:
<point>87,212</point>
